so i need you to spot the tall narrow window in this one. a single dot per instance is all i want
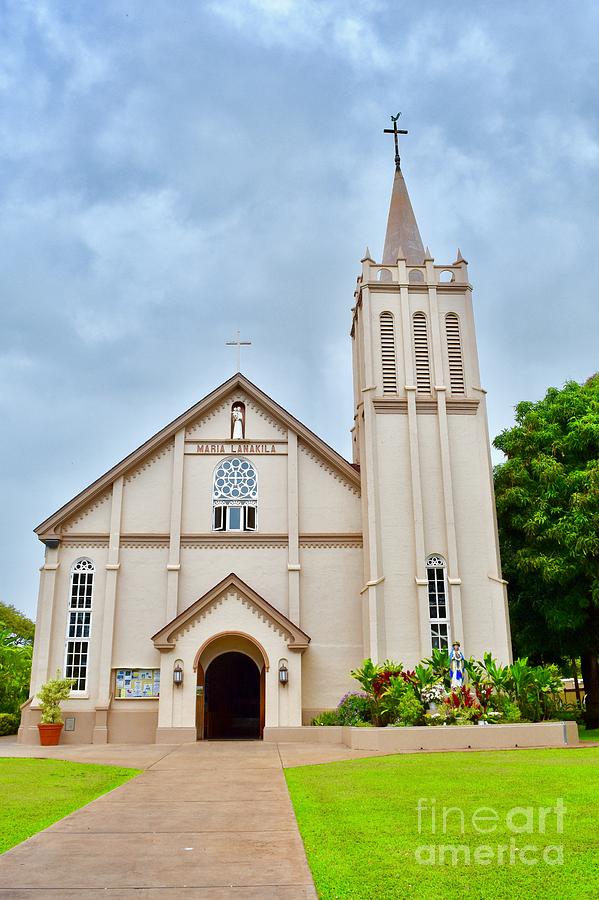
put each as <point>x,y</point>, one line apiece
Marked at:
<point>234,495</point>
<point>454,353</point>
<point>79,622</point>
<point>388,353</point>
<point>421,357</point>
<point>437,602</point>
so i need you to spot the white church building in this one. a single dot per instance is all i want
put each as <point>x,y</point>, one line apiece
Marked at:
<point>229,573</point>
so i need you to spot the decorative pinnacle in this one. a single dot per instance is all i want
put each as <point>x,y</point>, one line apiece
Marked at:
<point>395,131</point>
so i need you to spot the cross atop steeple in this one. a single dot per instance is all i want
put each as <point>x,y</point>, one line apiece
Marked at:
<point>395,131</point>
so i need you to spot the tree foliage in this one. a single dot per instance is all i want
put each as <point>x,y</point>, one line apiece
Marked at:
<point>18,624</point>
<point>547,495</point>
<point>15,671</point>
<point>16,643</point>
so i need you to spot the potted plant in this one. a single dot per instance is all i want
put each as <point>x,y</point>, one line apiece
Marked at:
<point>50,694</point>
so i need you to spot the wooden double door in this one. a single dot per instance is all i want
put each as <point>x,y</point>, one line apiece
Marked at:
<point>230,698</point>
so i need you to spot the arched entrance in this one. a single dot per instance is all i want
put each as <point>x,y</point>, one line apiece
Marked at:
<point>233,697</point>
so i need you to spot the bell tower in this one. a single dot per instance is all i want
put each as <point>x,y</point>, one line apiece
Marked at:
<point>432,573</point>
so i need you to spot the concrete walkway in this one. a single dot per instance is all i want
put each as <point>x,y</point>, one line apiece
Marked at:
<point>207,820</point>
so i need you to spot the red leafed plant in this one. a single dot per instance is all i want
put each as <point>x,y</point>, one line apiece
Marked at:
<point>462,697</point>
<point>382,681</point>
<point>483,695</point>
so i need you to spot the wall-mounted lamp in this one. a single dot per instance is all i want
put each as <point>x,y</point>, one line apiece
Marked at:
<point>283,673</point>
<point>178,673</point>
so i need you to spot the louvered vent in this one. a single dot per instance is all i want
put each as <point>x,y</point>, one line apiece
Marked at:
<point>388,353</point>
<point>454,353</point>
<point>423,369</point>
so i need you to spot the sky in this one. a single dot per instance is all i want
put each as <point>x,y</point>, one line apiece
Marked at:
<point>172,172</point>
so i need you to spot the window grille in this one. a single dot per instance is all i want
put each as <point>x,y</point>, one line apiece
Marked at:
<point>79,619</point>
<point>454,353</point>
<point>421,354</point>
<point>388,353</point>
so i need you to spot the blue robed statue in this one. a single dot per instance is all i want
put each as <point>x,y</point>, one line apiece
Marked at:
<point>456,665</point>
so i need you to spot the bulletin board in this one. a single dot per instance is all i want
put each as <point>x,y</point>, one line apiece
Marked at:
<point>137,684</point>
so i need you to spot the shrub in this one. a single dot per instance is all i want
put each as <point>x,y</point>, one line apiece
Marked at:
<point>9,723</point>
<point>434,718</point>
<point>328,717</point>
<point>354,708</point>
<point>51,694</point>
<point>409,710</point>
<point>509,709</point>
<point>568,712</point>
<point>391,697</point>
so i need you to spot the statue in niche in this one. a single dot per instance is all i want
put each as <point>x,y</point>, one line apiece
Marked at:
<point>238,422</point>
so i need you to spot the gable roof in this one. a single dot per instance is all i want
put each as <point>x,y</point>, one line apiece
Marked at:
<point>297,639</point>
<point>46,528</point>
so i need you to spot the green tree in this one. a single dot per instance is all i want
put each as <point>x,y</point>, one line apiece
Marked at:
<point>547,496</point>
<point>15,671</point>
<point>16,646</point>
<point>18,624</point>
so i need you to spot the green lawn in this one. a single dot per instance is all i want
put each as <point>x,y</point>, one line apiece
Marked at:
<point>36,792</point>
<point>585,735</point>
<point>361,828</point>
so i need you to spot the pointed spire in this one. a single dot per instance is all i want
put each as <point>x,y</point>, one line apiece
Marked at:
<point>402,229</point>
<point>427,253</point>
<point>367,255</point>
<point>460,259</point>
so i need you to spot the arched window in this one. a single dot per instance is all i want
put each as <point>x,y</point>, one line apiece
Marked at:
<point>388,353</point>
<point>234,495</point>
<point>421,358</point>
<point>437,602</point>
<point>79,621</point>
<point>454,353</point>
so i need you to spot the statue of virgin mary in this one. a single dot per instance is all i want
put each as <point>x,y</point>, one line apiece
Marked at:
<point>238,423</point>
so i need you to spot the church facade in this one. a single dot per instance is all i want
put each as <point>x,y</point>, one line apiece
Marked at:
<point>227,575</point>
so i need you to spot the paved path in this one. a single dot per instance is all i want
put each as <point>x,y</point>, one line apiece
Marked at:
<point>208,820</point>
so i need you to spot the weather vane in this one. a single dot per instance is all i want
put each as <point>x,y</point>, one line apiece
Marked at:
<point>395,131</point>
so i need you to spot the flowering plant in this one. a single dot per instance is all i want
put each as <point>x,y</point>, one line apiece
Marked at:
<point>434,694</point>
<point>354,708</point>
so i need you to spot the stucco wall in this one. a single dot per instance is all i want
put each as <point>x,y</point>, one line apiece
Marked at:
<point>140,607</point>
<point>147,495</point>
<point>327,504</point>
<point>332,616</point>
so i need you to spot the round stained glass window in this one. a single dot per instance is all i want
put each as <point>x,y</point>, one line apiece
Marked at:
<point>235,479</point>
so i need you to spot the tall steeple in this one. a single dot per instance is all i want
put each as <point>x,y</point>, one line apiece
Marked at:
<point>402,229</point>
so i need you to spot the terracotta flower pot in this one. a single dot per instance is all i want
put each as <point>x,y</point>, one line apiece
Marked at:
<point>50,734</point>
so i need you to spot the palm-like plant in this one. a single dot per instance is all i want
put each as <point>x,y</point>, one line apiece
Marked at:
<point>366,674</point>
<point>424,678</point>
<point>492,674</point>
<point>439,662</point>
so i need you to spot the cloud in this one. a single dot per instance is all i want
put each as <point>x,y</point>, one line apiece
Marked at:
<point>305,26</point>
<point>172,172</point>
